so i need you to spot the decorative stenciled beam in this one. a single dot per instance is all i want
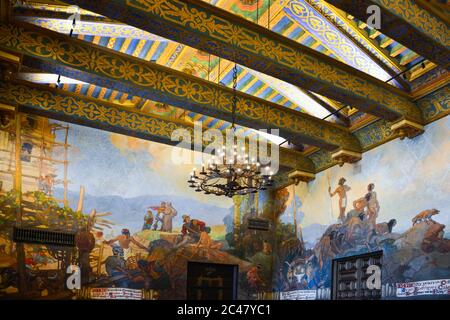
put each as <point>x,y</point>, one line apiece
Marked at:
<point>408,23</point>
<point>60,54</point>
<point>211,29</point>
<point>88,25</point>
<point>95,113</point>
<point>435,105</point>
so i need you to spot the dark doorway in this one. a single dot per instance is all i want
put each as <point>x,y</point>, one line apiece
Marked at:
<point>211,281</point>
<point>351,275</point>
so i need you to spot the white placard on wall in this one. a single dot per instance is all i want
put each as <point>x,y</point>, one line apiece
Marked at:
<point>298,295</point>
<point>116,294</point>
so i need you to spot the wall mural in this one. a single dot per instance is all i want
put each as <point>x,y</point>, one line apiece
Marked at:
<point>137,222</point>
<point>395,200</point>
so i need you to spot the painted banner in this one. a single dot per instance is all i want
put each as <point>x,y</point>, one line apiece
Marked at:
<point>298,295</point>
<point>430,287</point>
<point>116,294</point>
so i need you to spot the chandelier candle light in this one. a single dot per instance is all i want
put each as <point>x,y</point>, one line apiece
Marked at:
<point>231,172</point>
<point>237,177</point>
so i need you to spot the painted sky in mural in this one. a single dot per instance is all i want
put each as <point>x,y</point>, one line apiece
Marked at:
<point>126,175</point>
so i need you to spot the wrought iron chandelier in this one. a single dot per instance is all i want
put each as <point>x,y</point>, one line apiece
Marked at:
<point>232,174</point>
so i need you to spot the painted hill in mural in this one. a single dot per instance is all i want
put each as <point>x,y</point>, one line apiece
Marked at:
<point>312,233</point>
<point>131,211</point>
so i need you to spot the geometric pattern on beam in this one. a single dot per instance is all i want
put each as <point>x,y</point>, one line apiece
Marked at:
<point>141,78</point>
<point>353,31</point>
<point>436,104</point>
<point>210,29</point>
<point>322,160</point>
<point>86,111</point>
<point>375,134</point>
<point>370,136</point>
<point>304,14</point>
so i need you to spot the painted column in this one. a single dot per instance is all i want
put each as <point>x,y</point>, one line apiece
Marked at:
<point>18,189</point>
<point>295,210</point>
<point>237,216</point>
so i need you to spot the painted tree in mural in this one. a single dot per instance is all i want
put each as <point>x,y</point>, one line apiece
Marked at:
<point>8,212</point>
<point>252,246</point>
<point>38,211</point>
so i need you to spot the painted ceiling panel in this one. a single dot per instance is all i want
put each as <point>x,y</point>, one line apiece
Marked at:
<point>282,25</point>
<point>313,23</point>
<point>294,94</point>
<point>104,41</point>
<point>107,94</point>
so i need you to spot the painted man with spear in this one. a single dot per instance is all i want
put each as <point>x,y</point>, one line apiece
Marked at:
<point>341,191</point>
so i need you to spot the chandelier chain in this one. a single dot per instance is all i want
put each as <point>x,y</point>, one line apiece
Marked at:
<point>240,176</point>
<point>234,103</point>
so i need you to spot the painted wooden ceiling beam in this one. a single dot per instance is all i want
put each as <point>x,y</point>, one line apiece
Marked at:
<point>211,29</point>
<point>408,23</point>
<point>74,108</point>
<point>362,39</point>
<point>60,54</point>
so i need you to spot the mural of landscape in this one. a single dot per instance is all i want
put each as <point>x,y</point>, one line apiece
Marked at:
<point>137,223</point>
<point>136,219</point>
<point>395,200</point>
